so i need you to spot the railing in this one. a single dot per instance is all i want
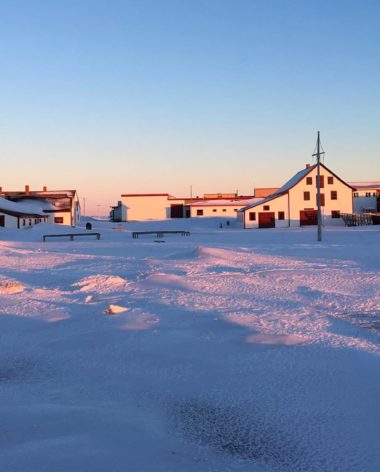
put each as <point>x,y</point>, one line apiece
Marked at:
<point>358,219</point>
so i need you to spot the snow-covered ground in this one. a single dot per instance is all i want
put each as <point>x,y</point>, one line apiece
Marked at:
<point>226,350</point>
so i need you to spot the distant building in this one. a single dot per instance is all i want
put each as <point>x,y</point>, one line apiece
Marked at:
<point>60,206</point>
<point>366,197</point>
<point>160,206</point>
<point>265,192</point>
<point>295,203</point>
<point>223,207</point>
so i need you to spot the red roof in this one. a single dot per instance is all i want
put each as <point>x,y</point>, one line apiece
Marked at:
<point>145,195</point>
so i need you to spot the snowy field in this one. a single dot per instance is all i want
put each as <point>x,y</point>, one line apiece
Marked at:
<point>228,350</point>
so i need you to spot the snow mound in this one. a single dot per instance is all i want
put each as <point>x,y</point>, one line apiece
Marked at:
<point>115,309</point>
<point>168,280</point>
<point>102,284</point>
<point>10,286</point>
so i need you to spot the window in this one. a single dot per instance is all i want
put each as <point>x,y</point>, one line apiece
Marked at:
<point>252,216</point>
<point>30,221</point>
<point>266,207</point>
<point>306,195</point>
<point>309,180</point>
<point>58,219</point>
<point>321,180</point>
<point>214,210</point>
<point>322,199</point>
<point>23,222</point>
<point>199,212</point>
<point>356,194</point>
<point>281,215</point>
<point>224,210</point>
<point>335,214</point>
<point>330,180</point>
<point>235,209</point>
<point>368,194</point>
<point>334,195</point>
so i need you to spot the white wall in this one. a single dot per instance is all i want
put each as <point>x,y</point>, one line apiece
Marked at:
<point>343,203</point>
<point>9,221</point>
<point>208,211</point>
<point>147,207</point>
<point>66,215</point>
<point>362,203</point>
<point>275,205</point>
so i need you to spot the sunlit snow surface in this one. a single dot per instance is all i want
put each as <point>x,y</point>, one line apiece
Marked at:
<point>255,350</point>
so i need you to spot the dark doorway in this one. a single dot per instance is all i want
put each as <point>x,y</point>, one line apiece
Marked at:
<point>267,220</point>
<point>2,220</point>
<point>176,211</point>
<point>308,217</point>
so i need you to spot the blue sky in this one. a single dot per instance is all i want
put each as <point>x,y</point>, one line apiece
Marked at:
<point>114,97</point>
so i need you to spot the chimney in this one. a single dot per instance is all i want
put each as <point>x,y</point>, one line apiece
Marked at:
<point>44,188</point>
<point>27,189</point>
<point>307,166</point>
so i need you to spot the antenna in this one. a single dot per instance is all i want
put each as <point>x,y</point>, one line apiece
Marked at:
<point>318,156</point>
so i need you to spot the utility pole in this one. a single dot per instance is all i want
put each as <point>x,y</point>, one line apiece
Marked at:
<point>318,156</point>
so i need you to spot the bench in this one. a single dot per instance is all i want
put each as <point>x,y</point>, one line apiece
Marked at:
<point>70,235</point>
<point>160,234</point>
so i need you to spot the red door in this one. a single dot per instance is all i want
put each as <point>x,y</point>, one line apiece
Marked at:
<point>308,217</point>
<point>267,220</point>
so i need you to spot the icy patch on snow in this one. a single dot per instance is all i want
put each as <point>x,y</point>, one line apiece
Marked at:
<point>229,430</point>
<point>103,284</point>
<point>284,339</point>
<point>8,286</point>
<point>139,322</point>
<point>115,309</point>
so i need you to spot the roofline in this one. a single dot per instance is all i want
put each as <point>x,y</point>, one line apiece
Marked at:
<point>145,195</point>
<point>265,200</point>
<point>229,203</point>
<point>20,214</point>
<point>341,180</point>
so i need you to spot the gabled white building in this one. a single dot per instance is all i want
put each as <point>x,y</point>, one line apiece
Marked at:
<point>59,206</point>
<point>295,203</point>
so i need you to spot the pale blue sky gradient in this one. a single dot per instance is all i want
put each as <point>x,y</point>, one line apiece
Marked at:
<point>115,96</point>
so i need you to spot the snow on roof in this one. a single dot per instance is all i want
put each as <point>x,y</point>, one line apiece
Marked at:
<point>41,193</point>
<point>258,201</point>
<point>365,184</point>
<point>295,179</point>
<point>224,202</point>
<point>20,208</point>
<point>282,190</point>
